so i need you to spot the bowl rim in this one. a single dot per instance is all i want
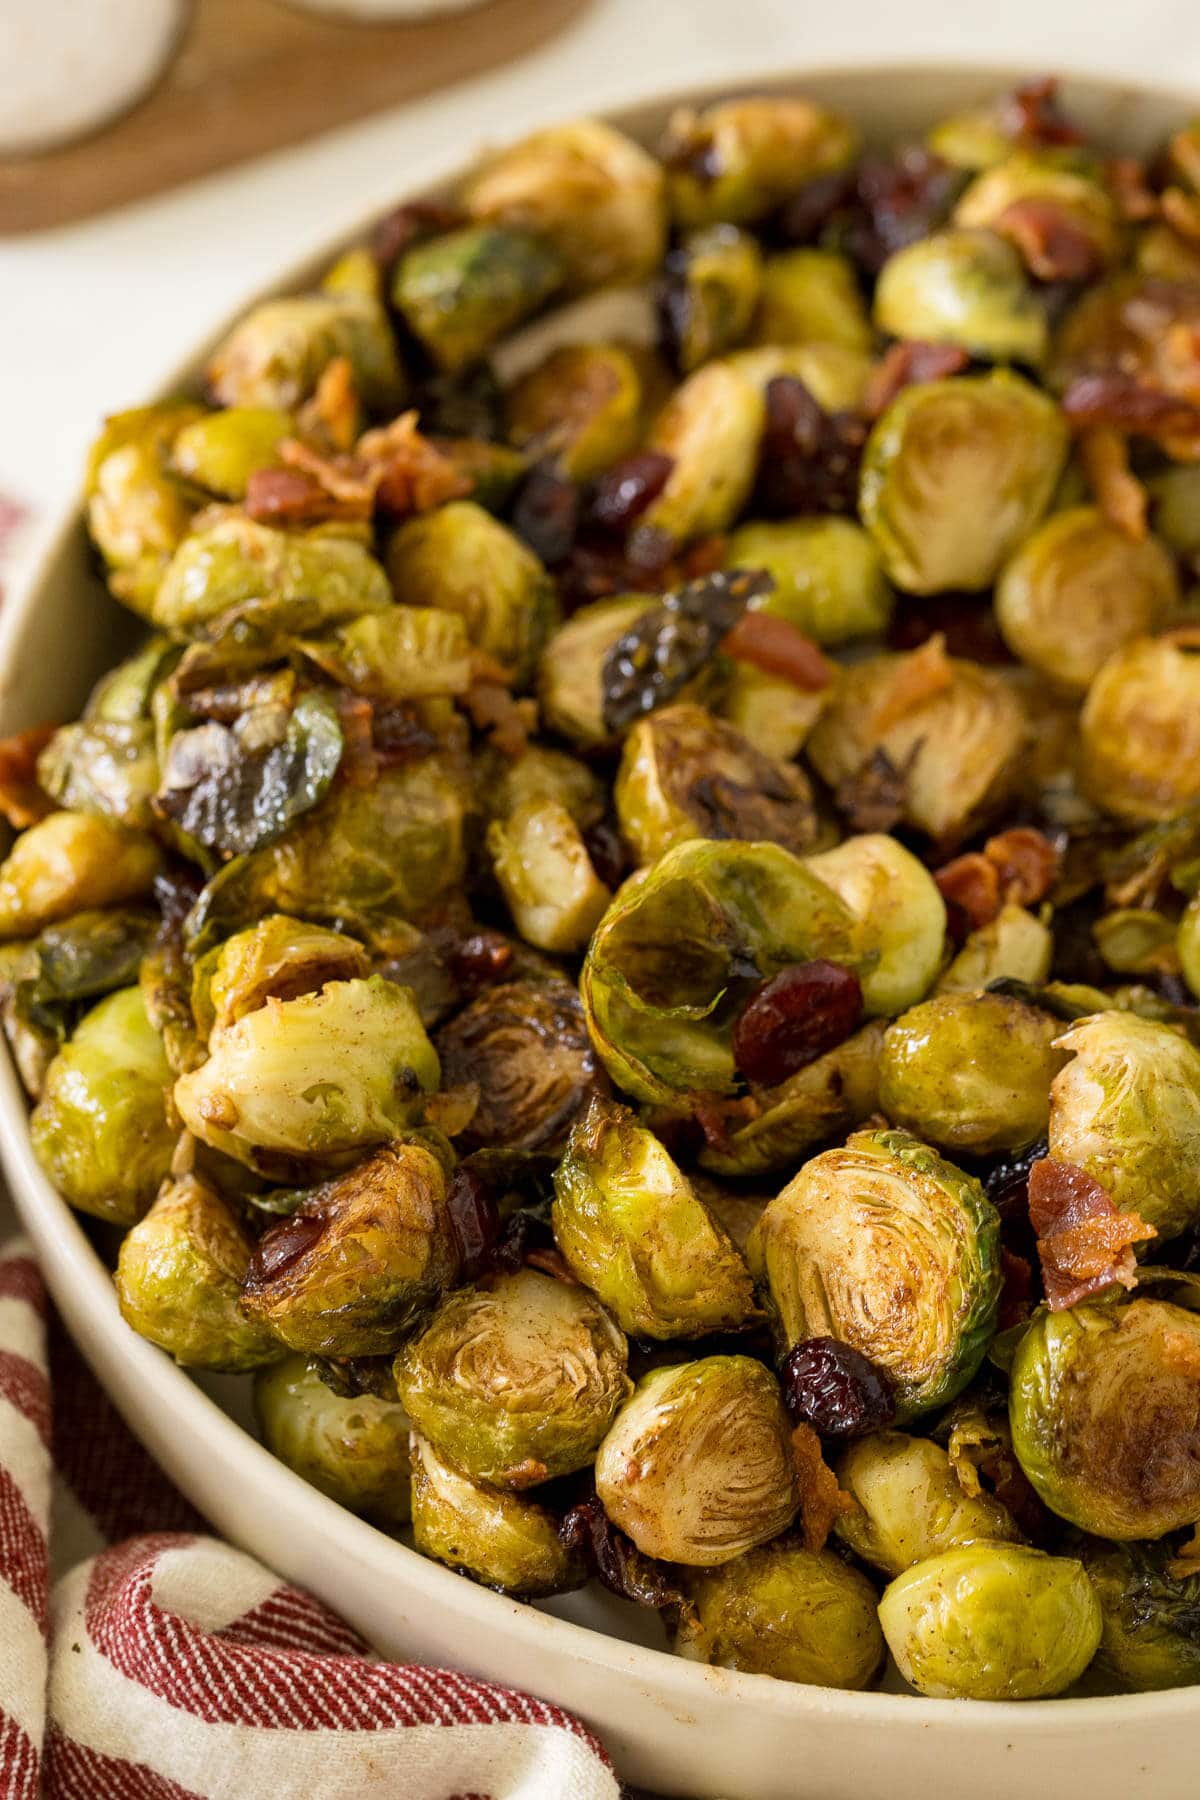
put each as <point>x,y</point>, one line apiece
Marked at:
<point>83,1288</point>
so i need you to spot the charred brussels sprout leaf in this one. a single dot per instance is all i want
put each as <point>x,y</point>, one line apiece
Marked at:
<point>355,1448</point>
<point>517,1380</point>
<point>697,1466</point>
<point>1140,731</point>
<point>279,959</point>
<point>669,644</point>
<point>887,1247</point>
<point>739,159</point>
<point>992,1622</point>
<point>827,573</point>
<point>911,1503</point>
<point>967,288</point>
<point>500,1538</point>
<point>1151,1610</point>
<point>312,580</point>
<point>709,293</point>
<point>179,1277</point>
<point>634,1230</point>
<point>277,354</point>
<point>901,917</point>
<point>460,292</point>
<point>71,862</point>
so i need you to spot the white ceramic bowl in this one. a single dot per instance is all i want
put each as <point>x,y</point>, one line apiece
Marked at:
<point>671,1725</point>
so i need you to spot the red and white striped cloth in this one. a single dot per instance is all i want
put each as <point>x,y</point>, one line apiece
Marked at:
<point>143,1660</point>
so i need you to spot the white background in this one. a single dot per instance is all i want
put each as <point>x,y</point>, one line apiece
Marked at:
<point>93,316</point>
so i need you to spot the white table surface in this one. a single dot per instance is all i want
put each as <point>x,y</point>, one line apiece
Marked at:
<point>92,316</point>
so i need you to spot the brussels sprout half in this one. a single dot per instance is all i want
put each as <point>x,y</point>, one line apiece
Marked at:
<point>280,959</point>
<point>967,288</point>
<point>738,159</point>
<point>812,296</point>
<point>353,1449</point>
<point>582,406</point>
<point>71,862</point>
<point>828,576</point>
<point>901,917</point>
<point>138,511</point>
<point>710,428</point>
<point>1140,731</point>
<point>500,1538</point>
<point>313,580</point>
<point>544,871</point>
<point>275,356</point>
<point>709,294</point>
<point>1151,1612</point>
<point>892,1250</point>
<point>571,671</point>
<point>911,1503</point>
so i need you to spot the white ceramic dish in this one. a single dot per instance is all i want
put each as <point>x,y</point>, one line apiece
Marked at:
<point>671,1725</point>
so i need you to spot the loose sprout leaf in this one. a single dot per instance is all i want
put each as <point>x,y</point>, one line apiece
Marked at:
<point>657,657</point>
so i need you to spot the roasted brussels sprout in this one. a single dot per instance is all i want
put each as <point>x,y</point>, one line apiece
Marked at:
<point>675,946</point>
<point>570,674</point>
<point>361,1260</point>
<point>1126,1108</point>
<point>461,559</point>
<point>107,769</point>
<point>460,292</point>
<point>709,293</point>
<point>992,1622</point>
<point>221,450</point>
<point>69,862</point>
<point>179,1279</point>
<point>405,653</point>
<point>1015,945</point>
<point>956,473</point>
<point>1104,1401</point>
<point>587,189</point>
<point>354,1449</point>
<point>137,511</point>
<point>773,713</point>
<point>541,773</point>
<point>581,406</point>
<point>332,1071</point>
<point>1077,591</point>
<point>967,288</point>
<point>502,1539</point>
<point>1151,1611</point>
<point>1061,218</point>
<point>546,876</point>
<point>901,917</point>
<point>515,1380</point>
<point>911,1504</point>
<point>277,354</point>
<point>812,296</point>
<point>972,1072</point>
<point>1140,731</point>
<point>279,958</point>
<point>800,1615</point>
<point>1187,945</point>
<point>100,1128</point>
<point>685,774</point>
<point>697,1466</point>
<point>892,1250</point>
<point>1176,496</point>
<point>738,159</point>
<point>710,428</point>
<point>633,1229</point>
<point>828,577</point>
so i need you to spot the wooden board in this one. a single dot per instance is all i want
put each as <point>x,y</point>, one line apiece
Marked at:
<point>252,76</point>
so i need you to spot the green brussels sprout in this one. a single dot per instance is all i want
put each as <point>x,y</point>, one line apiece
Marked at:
<point>633,1229</point>
<point>823,1100</point>
<point>1187,944</point>
<point>461,559</point>
<point>71,862</point>
<point>570,673</point>
<point>222,450</point>
<point>887,1247</point>
<point>956,473</point>
<point>502,1539</point>
<point>828,577</point>
<point>800,1615</point>
<point>812,296</point>
<point>1078,590</point>
<point>740,159</point>
<point>179,1279</point>
<point>107,769</point>
<point>137,511</point>
<point>710,428</point>
<point>697,1466</point>
<point>972,1072</point>
<point>674,954</point>
<point>541,773</point>
<point>1140,329</point>
<point>1015,945</point>
<point>582,405</point>
<point>405,653</point>
<point>1105,1422</point>
<point>1140,731</point>
<point>124,694</point>
<point>685,774</point>
<point>277,959</point>
<point>545,874</point>
<point>911,1504</point>
<point>361,1261</point>
<point>1136,940</point>
<point>901,915</point>
<point>587,189</point>
<point>710,293</point>
<point>991,1622</point>
<point>1151,1633</point>
<point>971,140</point>
<point>311,1077</point>
<point>314,579</point>
<point>460,292</point>
<point>100,1128</point>
<point>353,1449</point>
<point>516,1380</point>
<point>1074,201</point>
<point>953,744</point>
<point>967,288</point>
<point>834,375</point>
<point>275,356</point>
<point>1126,1108</point>
<point>771,712</point>
<point>1175,493</point>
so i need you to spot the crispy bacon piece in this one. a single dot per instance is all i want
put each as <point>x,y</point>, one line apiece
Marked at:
<point>1053,245</point>
<point>359,765</point>
<point>294,497</point>
<point>392,468</point>
<point>905,364</point>
<point>1031,116</point>
<point>22,801</point>
<point>916,678</point>
<point>506,721</point>
<point>822,1501</point>
<point>777,647</point>
<point>1104,453</point>
<point>1027,863</point>
<point>334,414</point>
<point>1084,1244</point>
<point>1128,404</point>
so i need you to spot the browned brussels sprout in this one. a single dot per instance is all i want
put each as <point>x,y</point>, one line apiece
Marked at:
<point>138,511</point>
<point>353,1448</point>
<point>505,1540</point>
<point>70,862</point>
<point>277,354</point>
<point>460,292</point>
<point>1140,730</point>
<point>582,406</point>
<point>812,297</point>
<point>277,959</point>
<point>709,293</point>
<point>738,159</point>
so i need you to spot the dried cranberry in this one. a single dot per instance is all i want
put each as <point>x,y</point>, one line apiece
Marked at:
<point>283,1245</point>
<point>400,735</point>
<point>966,621</point>
<point>624,492</point>
<point>1006,1184</point>
<point>525,1234</point>
<point>836,1389</point>
<point>671,642</point>
<point>900,199</point>
<point>587,1530</point>
<point>794,1017</point>
<point>479,961</point>
<point>474,1220</point>
<point>545,513</point>
<point>1031,115</point>
<point>801,220</point>
<point>606,851</point>
<point>808,459</point>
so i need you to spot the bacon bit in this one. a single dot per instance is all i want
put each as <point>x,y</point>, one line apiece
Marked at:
<point>1125,178</point>
<point>1027,862</point>
<point>971,882</point>
<point>359,766</point>
<point>1181,1353</point>
<point>874,797</point>
<point>904,365</point>
<point>22,801</point>
<point>294,497</point>
<point>916,678</point>
<point>507,722</point>
<point>1031,115</point>
<point>334,413</point>
<point>822,1501</point>
<point>1182,213</point>
<point>1053,244</point>
<point>415,475</point>
<point>777,647</point>
<point>1084,1244</point>
<point>1016,1295</point>
<point>393,468</point>
<point>529,1473</point>
<point>1129,404</point>
<point>1104,453</point>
